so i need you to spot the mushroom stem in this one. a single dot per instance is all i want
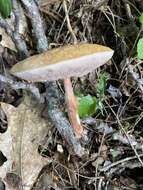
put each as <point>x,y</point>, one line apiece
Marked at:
<point>72,108</point>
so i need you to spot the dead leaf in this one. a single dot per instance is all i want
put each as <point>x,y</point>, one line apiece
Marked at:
<point>6,40</point>
<point>20,142</point>
<point>6,149</point>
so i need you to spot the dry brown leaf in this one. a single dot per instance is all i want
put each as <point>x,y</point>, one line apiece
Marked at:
<point>6,40</point>
<point>6,148</point>
<point>19,144</point>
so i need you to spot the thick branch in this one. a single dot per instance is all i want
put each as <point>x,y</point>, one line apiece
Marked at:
<point>60,121</point>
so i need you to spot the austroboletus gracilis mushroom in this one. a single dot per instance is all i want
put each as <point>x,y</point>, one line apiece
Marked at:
<point>63,63</point>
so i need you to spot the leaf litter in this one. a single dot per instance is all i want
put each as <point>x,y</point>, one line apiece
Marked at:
<point>19,144</point>
<point>115,24</point>
<point>6,41</point>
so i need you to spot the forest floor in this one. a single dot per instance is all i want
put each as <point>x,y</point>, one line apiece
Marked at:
<point>114,130</point>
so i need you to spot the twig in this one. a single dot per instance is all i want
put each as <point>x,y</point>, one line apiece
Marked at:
<point>97,4</point>
<point>21,85</point>
<point>77,173</point>
<point>135,76</point>
<point>140,2</point>
<point>128,11</point>
<point>6,26</point>
<point>19,41</point>
<point>106,168</point>
<point>68,22</point>
<point>37,24</point>
<point>16,12</point>
<point>128,138</point>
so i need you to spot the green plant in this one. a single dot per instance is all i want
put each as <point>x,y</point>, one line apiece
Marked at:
<point>89,105</point>
<point>5,8</point>
<point>140,41</point>
<point>140,48</point>
<point>101,91</point>
<point>141,19</point>
<point>86,105</point>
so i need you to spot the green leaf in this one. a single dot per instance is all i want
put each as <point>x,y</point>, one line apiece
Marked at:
<point>100,106</point>
<point>140,48</point>
<point>86,106</point>
<point>5,8</point>
<point>141,19</point>
<point>101,85</point>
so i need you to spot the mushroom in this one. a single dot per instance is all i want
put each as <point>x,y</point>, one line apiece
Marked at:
<point>62,63</point>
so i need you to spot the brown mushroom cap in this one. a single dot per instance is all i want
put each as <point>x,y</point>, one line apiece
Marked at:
<point>68,61</point>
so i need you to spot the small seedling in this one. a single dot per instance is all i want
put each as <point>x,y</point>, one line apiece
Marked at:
<point>101,91</point>
<point>86,105</point>
<point>89,105</point>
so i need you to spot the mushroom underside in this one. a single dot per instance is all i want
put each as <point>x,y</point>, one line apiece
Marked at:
<point>65,69</point>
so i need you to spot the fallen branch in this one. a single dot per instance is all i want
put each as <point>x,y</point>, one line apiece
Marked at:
<point>60,121</point>
<point>22,85</point>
